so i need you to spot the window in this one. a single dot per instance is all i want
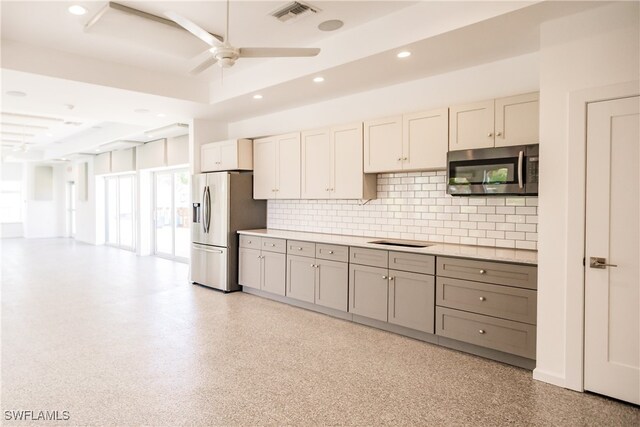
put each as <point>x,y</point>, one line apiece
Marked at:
<point>11,201</point>
<point>172,227</point>
<point>120,211</point>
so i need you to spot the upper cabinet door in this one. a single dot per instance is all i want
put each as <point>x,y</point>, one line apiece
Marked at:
<point>425,140</point>
<point>228,155</point>
<point>383,145</point>
<point>346,143</point>
<point>471,126</point>
<point>316,164</point>
<point>517,120</point>
<point>210,157</point>
<point>288,161</point>
<point>265,162</point>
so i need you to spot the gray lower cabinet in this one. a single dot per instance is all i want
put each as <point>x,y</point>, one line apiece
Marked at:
<point>332,284</point>
<point>301,278</point>
<point>250,267</point>
<point>411,300</point>
<point>273,272</point>
<point>261,269</point>
<point>368,291</point>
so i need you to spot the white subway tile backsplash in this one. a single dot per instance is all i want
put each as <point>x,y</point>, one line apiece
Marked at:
<point>415,206</point>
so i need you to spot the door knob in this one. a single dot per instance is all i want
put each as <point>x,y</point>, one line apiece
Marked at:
<point>601,263</point>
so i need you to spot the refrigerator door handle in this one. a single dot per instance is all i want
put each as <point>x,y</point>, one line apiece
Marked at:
<point>204,208</point>
<point>208,206</point>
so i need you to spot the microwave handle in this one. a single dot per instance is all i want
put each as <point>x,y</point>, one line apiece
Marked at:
<point>520,159</point>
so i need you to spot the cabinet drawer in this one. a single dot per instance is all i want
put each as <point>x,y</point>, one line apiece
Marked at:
<point>297,248</point>
<point>493,300</point>
<point>503,335</point>
<point>274,245</point>
<point>416,263</point>
<point>332,252</point>
<point>250,242</point>
<point>521,276</point>
<point>372,257</point>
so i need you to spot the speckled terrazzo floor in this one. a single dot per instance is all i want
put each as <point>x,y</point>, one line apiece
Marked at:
<point>117,339</point>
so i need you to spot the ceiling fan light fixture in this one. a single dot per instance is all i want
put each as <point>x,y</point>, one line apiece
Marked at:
<point>76,9</point>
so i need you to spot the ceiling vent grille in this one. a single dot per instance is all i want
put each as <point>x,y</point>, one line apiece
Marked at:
<point>293,10</point>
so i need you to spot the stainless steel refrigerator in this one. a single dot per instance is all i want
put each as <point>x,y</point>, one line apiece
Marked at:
<point>222,204</point>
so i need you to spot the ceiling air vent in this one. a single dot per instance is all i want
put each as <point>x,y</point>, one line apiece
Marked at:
<point>293,10</point>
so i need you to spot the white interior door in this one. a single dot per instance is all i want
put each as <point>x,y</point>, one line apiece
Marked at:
<point>612,292</point>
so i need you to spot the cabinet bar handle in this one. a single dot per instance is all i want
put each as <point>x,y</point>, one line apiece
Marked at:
<point>481,331</point>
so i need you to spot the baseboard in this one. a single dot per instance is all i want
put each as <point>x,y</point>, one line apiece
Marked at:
<point>548,377</point>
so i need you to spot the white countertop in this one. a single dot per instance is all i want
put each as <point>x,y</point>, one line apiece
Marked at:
<point>520,256</point>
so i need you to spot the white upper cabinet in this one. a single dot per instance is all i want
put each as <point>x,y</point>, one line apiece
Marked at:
<point>424,139</point>
<point>332,164</point>
<point>348,178</point>
<point>316,164</point>
<point>471,126</point>
<point>502,122</point>
<point>276,167</point>
<point>383,144</point>
<point>415,141</point>
<point>235,154</point>
<point>517,120</point>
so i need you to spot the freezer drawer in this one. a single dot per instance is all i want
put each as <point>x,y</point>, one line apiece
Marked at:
<point>209,266</point>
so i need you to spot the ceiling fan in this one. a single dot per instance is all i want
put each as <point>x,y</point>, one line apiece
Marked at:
<point>225,54</point>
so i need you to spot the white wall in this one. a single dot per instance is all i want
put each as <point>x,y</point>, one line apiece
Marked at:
<point>12,172</point>
<point>42,218</point>
<point>591,49</point>
<point>507,77</point>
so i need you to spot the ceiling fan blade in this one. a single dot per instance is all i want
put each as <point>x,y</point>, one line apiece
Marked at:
<point>193,28</point>
<point>206,64</point>
<point>276,52</point>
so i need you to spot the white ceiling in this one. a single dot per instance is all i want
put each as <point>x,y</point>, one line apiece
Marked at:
<point>124,63</point>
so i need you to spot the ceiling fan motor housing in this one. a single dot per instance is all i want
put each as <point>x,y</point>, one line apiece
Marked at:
<point>226,55</point>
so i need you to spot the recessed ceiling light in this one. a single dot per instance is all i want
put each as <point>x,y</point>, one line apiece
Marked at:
<point>404,54</point>
<point>49,134</point>
<point>318,79</point>
<point>15,93</point>
<point>77,10</point>
<point>257,96</point>
<point>160,115</point>
<point>330,25</point>
<point>97,149</point>
<point>141,110</point>
<point>63,158</point>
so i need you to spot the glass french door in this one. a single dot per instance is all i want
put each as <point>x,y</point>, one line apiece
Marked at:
<point>120,215</point>
<point>172,233</point>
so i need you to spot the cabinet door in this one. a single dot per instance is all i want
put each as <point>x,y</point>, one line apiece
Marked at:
<point>301,278</point>
<point>288,178</point>
<point>264,168</point>
<point>210,157</point>
<point>316,164</point>
<point>383,145</point>
<point>368,291</point>
<point>249,267</point>
<point>471,126</point>
<point>412,300</point>
<point>348,173</point>
<point>273,272</point>
<point>517,120</point>
<point>425,140</point>
<point>332,284</point>
<point>229,155</point>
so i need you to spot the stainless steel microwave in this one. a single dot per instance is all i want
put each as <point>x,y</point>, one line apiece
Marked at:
<point>493,171</point>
